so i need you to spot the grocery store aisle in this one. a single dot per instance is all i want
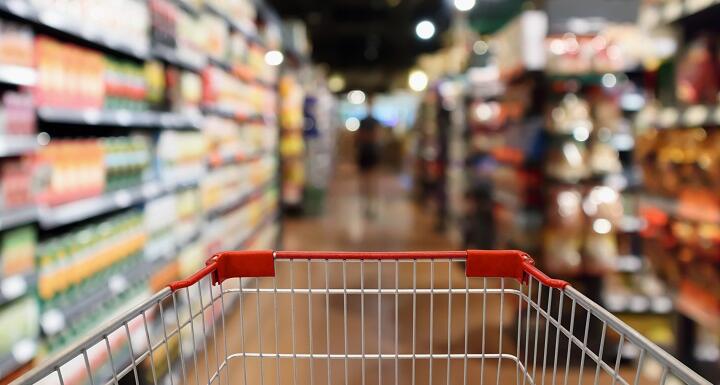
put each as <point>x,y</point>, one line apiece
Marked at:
<point>346,315</point>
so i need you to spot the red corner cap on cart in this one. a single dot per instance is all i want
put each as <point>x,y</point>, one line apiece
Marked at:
<point>234,264</point>
<point>496,264</point>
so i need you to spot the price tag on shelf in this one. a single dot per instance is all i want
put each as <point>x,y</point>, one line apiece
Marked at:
<point>122,198</point>
<point>52,19</point>
<point>695,115</point>
<point>639,303</point>
<point>18,7</point>
<point>124,118</point>
<point>24,350</point>
<point>13,287</point>
<point>52,321</point>
<point>668,117</point>
<point>673,10</point>
<point>151,190</point>
<point>692,6</point>
<point>117,284</point>
<point>91,116</point>
<point>662,304</point>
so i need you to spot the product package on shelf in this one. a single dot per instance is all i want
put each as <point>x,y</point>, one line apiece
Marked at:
<point>179,35</point>
<point>17,115</point>
<point>241,12</point>
<point>71,169</point>
<point>181,156</point>
<point>184,91</point>
<point>16,189</point>
<point>17,253</point>
<point>16,45</point>
<point>101,18</point>
<point>87,269</point>
<point>292,142</point>
<point>58,65</point>
<point>584,207</point>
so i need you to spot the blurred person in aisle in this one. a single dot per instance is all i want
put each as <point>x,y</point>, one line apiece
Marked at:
<point>367,145</point>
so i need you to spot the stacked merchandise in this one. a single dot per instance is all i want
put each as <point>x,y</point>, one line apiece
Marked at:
<point>551,144</point>
<point>292,142</point>
<point>591,230</point>
<point>154,146</point>
<point>677,151</point>
<point>295,86</point>
<point>321,122</point>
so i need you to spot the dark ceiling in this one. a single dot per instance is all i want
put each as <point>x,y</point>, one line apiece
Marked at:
<point>363,36</point>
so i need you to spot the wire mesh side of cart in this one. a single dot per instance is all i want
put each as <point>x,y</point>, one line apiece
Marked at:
<point>380,319</point>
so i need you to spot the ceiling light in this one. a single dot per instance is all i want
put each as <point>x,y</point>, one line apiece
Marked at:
<point>274,58</point>
<point>352,124</point>
<point>418,80</point>
<point>425,29</point>
<point>336,83</point>
<point>464,5</point>
<point>356,97</point>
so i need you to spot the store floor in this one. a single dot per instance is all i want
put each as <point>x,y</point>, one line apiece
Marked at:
<point>396,224</point>
<point>367,327</point>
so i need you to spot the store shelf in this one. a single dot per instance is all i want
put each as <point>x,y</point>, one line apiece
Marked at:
<point>17,217</point>
<point>171,56</point>
<point>247,241</point>
<point>51,217</point>
<point>55,22</point>
<point>22,353</point>
<point>252,36</point>
<point>17,75</point>
<point>120,118</point>
<point>55,320</point>
<point>240,200</point>
<point>220,160</point>
<point>56,216</point>
<point>16,145</point>
<point>16,286</point>
<point>680,116</point>
<point>184,4</point>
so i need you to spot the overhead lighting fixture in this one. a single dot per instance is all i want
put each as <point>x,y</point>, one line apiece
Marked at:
<point>352,124</point>
<point>356,97</point>
<point>336,83</point>
<point>464,5</point>
<point>417,80</point>
<point>425,29</point>
<point>274,58</point>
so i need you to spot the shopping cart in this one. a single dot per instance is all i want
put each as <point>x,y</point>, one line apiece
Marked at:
<point>264,317</point>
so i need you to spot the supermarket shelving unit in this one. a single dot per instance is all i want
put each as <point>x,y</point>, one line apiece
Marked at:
<point>698,320</point>
<point>255,204</point>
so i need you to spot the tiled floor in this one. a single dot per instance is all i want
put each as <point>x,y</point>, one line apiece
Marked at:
<point>314,331</point>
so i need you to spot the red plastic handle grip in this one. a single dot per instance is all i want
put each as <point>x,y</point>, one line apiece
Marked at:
<point>479,263</point>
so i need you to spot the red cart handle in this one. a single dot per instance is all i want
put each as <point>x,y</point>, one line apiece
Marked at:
<point>479,263</point>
